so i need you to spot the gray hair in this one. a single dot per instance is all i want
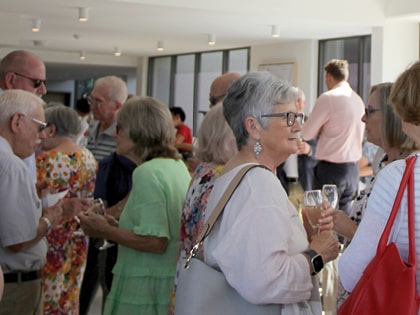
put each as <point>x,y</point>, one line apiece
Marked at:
<point>254,94</point>
<point>148,123</point>
<point>117,88</point>
<point>65,120</point>
<point>17,101</point>
<point>215,139</point>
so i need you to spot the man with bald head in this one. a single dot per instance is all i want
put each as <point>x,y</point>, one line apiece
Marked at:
<point>23,70</point>
<point>24,223</point>
<point>219,87</point>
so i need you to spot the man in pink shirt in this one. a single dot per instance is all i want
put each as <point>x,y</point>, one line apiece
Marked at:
<point>336,122</point>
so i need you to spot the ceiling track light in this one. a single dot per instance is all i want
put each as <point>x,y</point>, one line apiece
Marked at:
<point>160,46</point>
<point>117,52</point>
<point>211,39</point>
<point>83,14</point>
<point>36,25</point>
<point>82,55</point>
<point>275,33</point>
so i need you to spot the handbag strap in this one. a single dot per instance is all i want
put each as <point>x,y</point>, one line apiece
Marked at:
<point>218,209</point>
<point>406,180</point>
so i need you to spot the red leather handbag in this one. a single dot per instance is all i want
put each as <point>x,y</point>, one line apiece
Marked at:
<point>388,284</point>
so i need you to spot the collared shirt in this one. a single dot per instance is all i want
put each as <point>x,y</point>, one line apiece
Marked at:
<point>336,121</point>
<point>101,144</point>
<point>20,211</point>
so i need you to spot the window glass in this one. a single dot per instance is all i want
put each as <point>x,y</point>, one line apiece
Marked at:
<point>238,61</point>
<point>184,80</point>
<point>161,79</point>
<point>184,86</point>
<point>210,68</point>
<point>356,50</point>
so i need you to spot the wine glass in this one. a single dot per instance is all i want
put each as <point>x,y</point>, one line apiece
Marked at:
<point>313,206</point>
<point>330,194</point>
<point>98,207</point>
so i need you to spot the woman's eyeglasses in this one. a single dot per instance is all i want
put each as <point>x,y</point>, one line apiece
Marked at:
<point>37,82</point>
<point>41,125</point>
<point>291,117</point>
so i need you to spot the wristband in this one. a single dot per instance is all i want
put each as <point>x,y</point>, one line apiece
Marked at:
<point>47,222</point>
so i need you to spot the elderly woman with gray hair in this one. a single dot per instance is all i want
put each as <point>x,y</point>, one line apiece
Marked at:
<point>64,165</point>
<point>260,244</point>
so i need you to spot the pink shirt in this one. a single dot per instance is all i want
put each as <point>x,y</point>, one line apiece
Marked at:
<point>336,120</point>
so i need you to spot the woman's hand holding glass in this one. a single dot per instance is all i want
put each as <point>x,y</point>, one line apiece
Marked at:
<point>93,223</point>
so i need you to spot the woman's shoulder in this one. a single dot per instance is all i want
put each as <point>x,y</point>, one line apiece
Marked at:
<point>164,166</point>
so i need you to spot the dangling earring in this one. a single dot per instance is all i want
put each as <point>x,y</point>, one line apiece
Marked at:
<point>257,148</point>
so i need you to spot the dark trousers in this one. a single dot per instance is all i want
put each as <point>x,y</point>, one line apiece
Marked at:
<point>91,278</point>
<point>344,175</point>
<point>98,271</point>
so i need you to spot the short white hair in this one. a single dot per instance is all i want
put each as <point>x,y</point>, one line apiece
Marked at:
<point>117,88</point>
<point>17,101</point>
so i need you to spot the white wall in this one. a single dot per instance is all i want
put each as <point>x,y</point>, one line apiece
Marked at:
<point>394,46</point>
<point>304,53</point>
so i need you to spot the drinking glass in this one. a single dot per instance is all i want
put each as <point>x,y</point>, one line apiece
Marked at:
<point>96,207</point>
<point>99,208</point>
<point>330,194</point>
<point>313,206</point>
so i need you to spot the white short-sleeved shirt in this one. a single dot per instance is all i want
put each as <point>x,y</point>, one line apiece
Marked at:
<point>20,210</point>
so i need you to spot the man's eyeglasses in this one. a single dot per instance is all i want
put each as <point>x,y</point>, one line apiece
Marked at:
<point>291,117</point>
<point>94,102</point>
<point>37,82</point>
<point>41,125</point>
<point>369,111</point>
<point>215,99</point>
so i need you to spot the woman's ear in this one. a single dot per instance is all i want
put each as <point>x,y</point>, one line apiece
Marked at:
<point>253,127</point>
<point>51,130</point>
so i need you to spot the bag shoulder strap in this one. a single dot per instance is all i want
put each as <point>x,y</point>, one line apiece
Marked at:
<point>407,180</point>
<point>218,209</point>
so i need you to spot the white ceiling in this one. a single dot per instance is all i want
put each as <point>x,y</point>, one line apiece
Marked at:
<point>135,26</point>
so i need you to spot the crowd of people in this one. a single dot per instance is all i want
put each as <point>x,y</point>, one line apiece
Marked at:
<point>158,186</point>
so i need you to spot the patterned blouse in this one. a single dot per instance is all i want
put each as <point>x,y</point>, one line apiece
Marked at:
<point>67,251</point>
<point>192,218</point>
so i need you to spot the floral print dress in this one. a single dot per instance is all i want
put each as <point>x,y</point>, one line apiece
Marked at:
<point>63,272</point>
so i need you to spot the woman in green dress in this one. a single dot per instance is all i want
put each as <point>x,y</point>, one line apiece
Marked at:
<point>148,229</point>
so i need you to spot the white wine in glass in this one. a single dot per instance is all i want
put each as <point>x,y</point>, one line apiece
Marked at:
<point>313,206</point>
<point>330,194</point>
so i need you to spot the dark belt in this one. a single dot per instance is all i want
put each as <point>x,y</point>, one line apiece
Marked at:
<point>21,276</point>
<point>345,163</point>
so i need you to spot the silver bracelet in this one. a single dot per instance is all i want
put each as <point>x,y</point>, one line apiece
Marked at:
<point>47,222</point>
